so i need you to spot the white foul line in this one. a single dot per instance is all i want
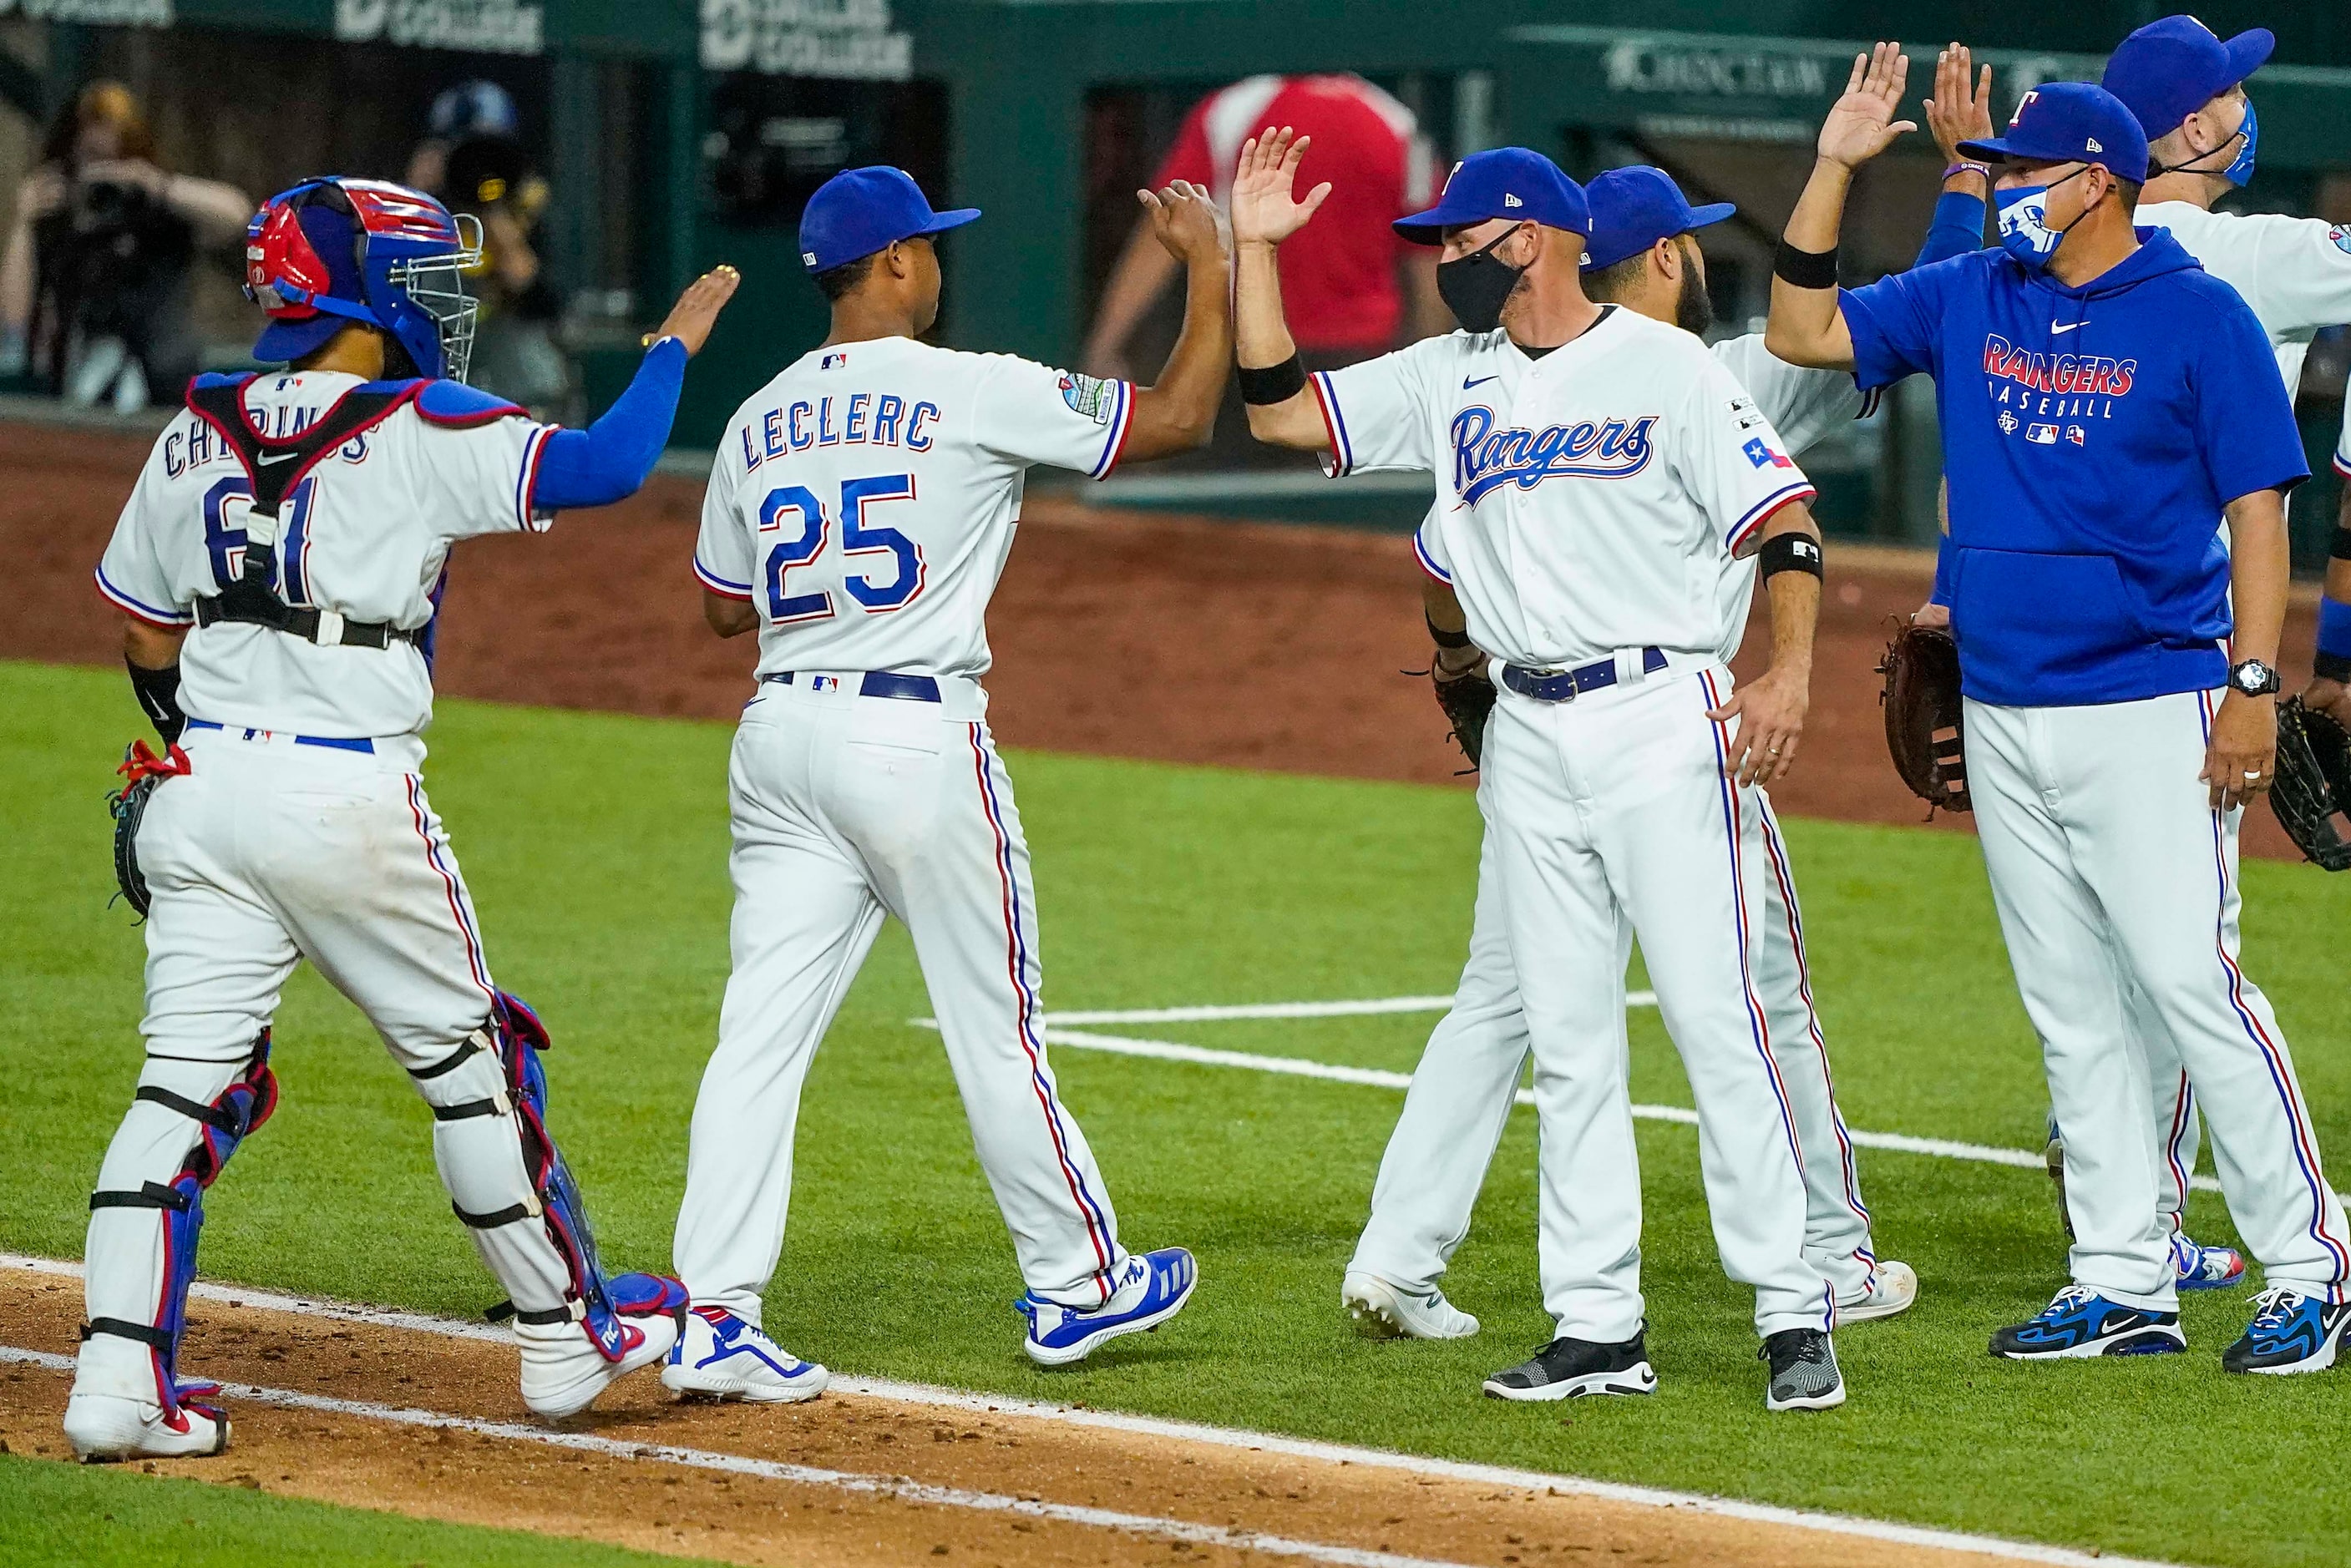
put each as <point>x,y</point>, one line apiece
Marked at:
<point>1219,1437</point>
<point>1222,1013</point>
<point>901,1488</point>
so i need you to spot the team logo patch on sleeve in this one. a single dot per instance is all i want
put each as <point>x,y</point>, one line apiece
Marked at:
<point>2340,236</point>
<point>1762,456</point>
<point>1088,395</point>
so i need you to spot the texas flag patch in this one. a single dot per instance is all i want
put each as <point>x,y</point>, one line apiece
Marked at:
<point>1762,456</point>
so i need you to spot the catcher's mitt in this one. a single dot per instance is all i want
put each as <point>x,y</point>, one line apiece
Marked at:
<point>1922,715</point>
<point>1467,701</point>
<point>2313,782</point>
<point>141,771</point>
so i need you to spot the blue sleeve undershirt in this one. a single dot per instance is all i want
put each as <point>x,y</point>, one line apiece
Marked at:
<point>609,460</point>
<point>1957,228</point>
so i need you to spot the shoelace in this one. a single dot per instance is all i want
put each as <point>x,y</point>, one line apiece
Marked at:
<point>2072,1296</point>
<point>2274,1307</point>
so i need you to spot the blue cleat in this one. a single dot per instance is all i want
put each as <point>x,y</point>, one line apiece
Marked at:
<point>721,1356</point>
<point>2205,1268</point>
<point>2079,1321</point>
<point>2291,1331</point>
<point>1152,1288</point>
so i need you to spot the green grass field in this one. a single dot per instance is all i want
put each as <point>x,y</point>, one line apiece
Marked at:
<point>596,850</point>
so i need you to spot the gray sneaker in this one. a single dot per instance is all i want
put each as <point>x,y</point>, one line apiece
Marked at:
<point>1803,1371</point>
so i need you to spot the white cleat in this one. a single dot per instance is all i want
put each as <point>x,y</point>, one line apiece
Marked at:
<point>1384,1310</point>
<point>721,1356</point>
<point>562,1370</point>
<point>103,1427</point>
<point>1893,1289</point>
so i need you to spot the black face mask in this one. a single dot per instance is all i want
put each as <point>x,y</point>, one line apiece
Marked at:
<point>1475,288</point>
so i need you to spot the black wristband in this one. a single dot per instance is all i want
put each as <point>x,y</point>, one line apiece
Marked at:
<point>1805,269</point>
<point>1445,639</point>
<point>1790,553</point>
<point>2332,667</point>
<point>1272,383</point>
<point>2341,549</point>
<point>158,691</point>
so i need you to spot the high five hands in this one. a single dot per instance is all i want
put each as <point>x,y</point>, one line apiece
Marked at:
<point>1861,124</point>
<point>1185,219</point>
<point>1265,209</point>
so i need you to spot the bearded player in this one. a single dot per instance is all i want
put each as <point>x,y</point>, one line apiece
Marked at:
<point>279,564</point>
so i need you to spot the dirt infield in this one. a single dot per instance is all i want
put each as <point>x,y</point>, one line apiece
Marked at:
<point>634,1490</point>
<point>1185,641</point>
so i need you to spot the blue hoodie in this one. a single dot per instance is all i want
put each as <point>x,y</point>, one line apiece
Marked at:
<point>2092,436</point>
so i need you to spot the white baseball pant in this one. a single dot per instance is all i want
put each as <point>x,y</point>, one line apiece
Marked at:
<point>1462,1092</point>
<point>846,807</point>
<point>270,851</point>
<point>2111,870</point>
<point>1614,812</point>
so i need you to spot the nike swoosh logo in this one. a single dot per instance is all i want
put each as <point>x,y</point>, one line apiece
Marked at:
<point>1479,382</point>
<point>281,457</point>
<point>2069,326</point>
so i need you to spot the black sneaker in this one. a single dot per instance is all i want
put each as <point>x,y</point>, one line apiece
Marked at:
<point>1803,1371</point>
<point>1570,1368</point>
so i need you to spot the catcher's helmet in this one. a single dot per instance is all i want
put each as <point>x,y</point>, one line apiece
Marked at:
<point>332,250</point>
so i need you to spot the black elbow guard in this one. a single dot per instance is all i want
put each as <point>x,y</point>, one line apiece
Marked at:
<point>158,691</point>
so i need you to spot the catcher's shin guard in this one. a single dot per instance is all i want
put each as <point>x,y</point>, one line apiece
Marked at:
<point>186,1121</point>
<point>509,1182</point>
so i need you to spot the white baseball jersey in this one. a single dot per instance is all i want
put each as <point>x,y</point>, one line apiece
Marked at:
<point>2295,272</point>
<point>366,534</point>
<point>1591,500</point>
<point>866,499</point>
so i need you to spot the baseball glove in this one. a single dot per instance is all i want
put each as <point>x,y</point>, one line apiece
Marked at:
<point>2313,782</point>
<point>142,771</point>
<point>1922,715</point>
<point>1467,701</point>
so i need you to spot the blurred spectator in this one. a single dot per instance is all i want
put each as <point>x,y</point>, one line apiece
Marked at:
<point>94,284</point>
<point>1350,287</point>
<point>458,114</point>
<point>516,354</point>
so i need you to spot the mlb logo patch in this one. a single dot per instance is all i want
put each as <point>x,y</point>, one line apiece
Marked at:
<point>1762,456</point>
<point>2042,435</point>
<point>824,682</point>
<point>833,362</point>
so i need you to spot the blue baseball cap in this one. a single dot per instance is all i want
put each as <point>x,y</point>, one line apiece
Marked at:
<point>2068,123</point>
<point>333,236</point>
<point>1515,182</point>
<point>2168,69</point>
<point>860,210</point>
<point>1635,207</point>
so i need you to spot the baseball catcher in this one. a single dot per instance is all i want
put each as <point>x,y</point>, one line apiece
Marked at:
<point>279,564</point>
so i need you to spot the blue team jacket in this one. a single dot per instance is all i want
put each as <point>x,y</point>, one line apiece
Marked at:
<point>2092,437</point>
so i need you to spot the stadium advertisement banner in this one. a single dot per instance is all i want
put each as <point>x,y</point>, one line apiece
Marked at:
<point>1725,86</point>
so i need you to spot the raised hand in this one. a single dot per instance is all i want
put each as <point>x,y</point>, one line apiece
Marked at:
<point>1266,210</point>
<point>690,319</point>
<point>1958,112</point>
<point>1185,219</point>
<point>1861,124</point>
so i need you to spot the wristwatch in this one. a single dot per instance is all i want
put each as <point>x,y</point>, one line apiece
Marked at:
<point>2254,679</point>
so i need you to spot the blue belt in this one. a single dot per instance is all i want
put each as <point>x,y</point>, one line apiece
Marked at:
<point>327,741</point>
<point>1567,685</point>
<point>882,683</point>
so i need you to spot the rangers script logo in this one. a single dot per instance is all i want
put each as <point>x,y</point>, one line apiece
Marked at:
<point>1484,457</point>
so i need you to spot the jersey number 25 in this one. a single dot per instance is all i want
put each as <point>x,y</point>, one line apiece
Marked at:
<point>857,538</point>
